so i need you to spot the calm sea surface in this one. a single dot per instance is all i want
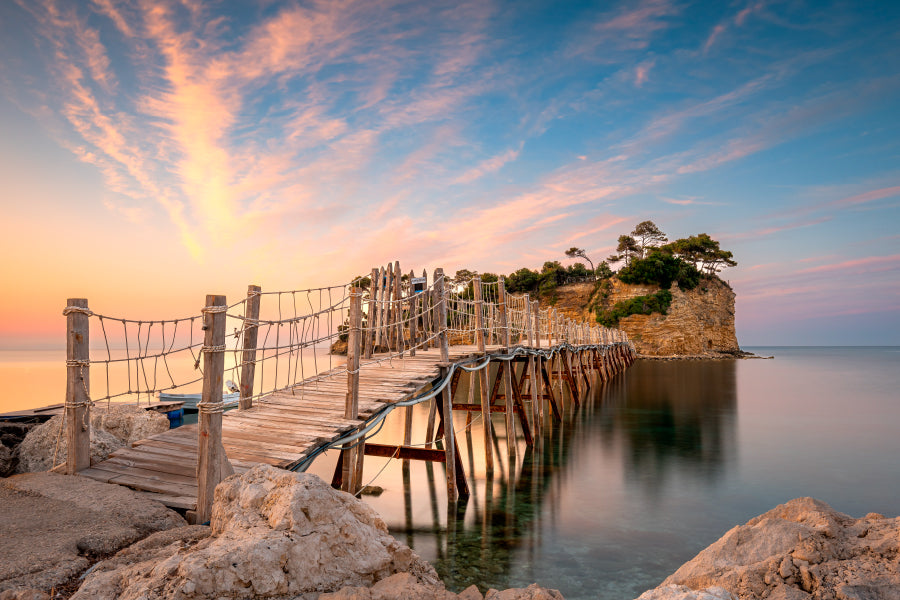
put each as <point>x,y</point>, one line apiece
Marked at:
<point>661,462</point>
<point>667,458</point>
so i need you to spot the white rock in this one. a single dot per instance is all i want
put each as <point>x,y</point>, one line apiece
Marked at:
<point>111,428</point>
<point>798,550</point>
<point>275,534</point>
<point>681,592</point>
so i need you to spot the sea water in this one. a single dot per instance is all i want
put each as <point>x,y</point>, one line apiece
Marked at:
<point>657,465</point>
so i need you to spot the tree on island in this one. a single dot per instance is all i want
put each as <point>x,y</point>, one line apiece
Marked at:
<point>627,248</point>
<point>703,252</point>
<point>649,235</point>
<point>574,252</point>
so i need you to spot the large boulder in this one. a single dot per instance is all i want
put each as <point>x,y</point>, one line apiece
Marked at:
<point>800,550</point>
<point>8,461</point>
<point>112,427</point>
<point>275,534</point>
<point>404,586</point>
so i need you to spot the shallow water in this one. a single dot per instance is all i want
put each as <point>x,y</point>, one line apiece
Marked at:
<point>662,461</point>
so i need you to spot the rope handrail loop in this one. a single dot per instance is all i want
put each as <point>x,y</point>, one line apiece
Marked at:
<point>76,309</point>
<point>214,309</point>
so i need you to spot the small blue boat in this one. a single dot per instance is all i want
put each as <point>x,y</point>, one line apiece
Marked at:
<point>231,400</point>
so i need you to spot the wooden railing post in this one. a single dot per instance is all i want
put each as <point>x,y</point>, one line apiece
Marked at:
<point>212,463</point>
<point>538,372</point>
<point>426,303</point>
<point>379,309</point>
<point>508,370</point>
<point>532,373</point>
<point>482,377</point>
<point>398,308</point>
<point>446,398</point>
<point>350,456</point>
<point>78,385</point>
<point>248,355</point>
<point>370,318</point>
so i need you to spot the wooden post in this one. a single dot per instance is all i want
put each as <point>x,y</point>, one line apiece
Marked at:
<point>532,372</point>
<point>78,385</point>
<point>248,355</point>
<point>538,382</point>
<point>413,323</point>
<point>370,318</point>
<point>351,403</point>
<point>398,309</point>
<point>389,308</point>
<point>427,319</point>
<point>482,377</point>
<point>412,315</point>
<point>508,371</point>
<point>379,309</point>
<point>446,398</point>
<point>212,463</point>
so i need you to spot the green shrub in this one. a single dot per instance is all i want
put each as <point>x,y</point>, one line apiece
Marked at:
<point>641,305</point>
<point>661,269</point>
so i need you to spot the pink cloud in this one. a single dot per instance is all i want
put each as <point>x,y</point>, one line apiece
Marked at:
<point>746,12</point>
<point>641,72</point>
<point>606,224</point>
<point>892,262</point>
<point>869,196</point>
<point>490,165</point>
<point>713,36</point>
<point>767,231</point>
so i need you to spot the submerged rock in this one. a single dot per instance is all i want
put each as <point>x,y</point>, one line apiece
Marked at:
<point>112,427</point>
<point>799,550</point>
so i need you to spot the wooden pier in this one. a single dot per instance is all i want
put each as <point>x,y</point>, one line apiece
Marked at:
<point>398,352</point>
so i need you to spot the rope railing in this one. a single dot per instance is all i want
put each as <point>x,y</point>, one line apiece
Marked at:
<point>269,342</point>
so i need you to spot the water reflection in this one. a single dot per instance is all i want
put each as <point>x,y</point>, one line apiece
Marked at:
<point>659,420</point>
<point>673,418</point>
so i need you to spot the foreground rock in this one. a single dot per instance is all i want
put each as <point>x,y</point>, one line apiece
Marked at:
<point>800,550</point>
<point>404,586</point>
<point>111,428</point>
<point>11,436</point>
<point>277,534</point>
<point>54,526</point>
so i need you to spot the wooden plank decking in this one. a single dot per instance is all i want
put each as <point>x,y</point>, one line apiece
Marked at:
<point>280,430</point>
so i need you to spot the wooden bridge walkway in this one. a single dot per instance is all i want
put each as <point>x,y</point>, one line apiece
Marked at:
<point>289,427</point>
<point>280,430</point>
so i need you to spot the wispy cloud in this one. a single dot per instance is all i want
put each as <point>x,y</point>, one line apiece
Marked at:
<point>858,265</point>
<point>490,165</point>
<point>642,72</point>
<point>771,230</point>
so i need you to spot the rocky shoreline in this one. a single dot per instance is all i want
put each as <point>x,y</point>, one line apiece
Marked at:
<point>731,355</point>
<point>281,535</point>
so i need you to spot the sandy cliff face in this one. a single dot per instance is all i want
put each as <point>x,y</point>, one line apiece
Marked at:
<point>699,321</point>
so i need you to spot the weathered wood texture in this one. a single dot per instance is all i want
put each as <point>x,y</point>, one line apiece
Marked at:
<point>248,356</point>
<point>281,429</point>
<point>78,386</point>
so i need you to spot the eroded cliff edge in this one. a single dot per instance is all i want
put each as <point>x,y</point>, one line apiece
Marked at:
<point>699,322</point>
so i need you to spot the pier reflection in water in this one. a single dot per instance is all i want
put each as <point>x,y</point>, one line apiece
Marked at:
<point>570,511</point>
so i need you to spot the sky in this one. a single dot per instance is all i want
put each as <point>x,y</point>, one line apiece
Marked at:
<point>153,152</point>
